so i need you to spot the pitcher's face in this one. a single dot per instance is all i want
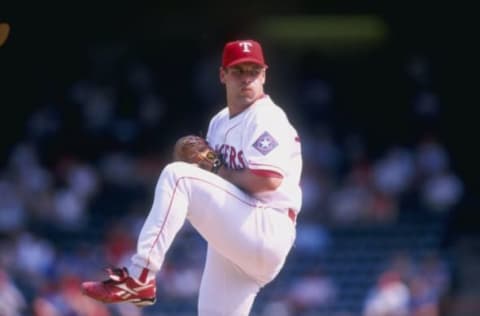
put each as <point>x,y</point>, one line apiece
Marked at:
<point>244,82</point>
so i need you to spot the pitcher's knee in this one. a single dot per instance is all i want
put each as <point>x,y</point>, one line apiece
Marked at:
<point>272,264</point>
<point>178,168</point>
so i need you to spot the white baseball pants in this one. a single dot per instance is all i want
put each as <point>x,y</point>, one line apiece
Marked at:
<point>247,242</point>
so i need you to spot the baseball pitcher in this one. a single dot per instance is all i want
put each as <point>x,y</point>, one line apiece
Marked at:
<point>239,188</point>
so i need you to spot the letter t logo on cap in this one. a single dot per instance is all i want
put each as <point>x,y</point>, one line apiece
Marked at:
<point>245,46</point>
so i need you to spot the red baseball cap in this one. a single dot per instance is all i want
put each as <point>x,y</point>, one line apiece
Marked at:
<point>242,51</point>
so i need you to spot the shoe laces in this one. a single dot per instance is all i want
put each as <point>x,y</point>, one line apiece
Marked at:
<point>116,274</point>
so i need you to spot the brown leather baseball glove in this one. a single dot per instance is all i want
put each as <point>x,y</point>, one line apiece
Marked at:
<point>195,149</point>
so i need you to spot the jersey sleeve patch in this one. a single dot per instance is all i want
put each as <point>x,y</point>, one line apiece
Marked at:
<point>265,143</point>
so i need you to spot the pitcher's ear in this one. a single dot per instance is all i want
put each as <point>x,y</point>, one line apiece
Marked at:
<point>221,74</point>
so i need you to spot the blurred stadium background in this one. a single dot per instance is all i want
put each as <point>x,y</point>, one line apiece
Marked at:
<point>92,95</point>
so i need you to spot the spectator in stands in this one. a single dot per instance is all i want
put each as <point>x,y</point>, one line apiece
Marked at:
<point>12,301</point>
<point>67,299</point>
<point>389,297</point>
<point>311,291</point>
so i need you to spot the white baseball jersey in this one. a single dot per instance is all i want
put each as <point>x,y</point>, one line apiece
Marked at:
<point>261,139</point>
